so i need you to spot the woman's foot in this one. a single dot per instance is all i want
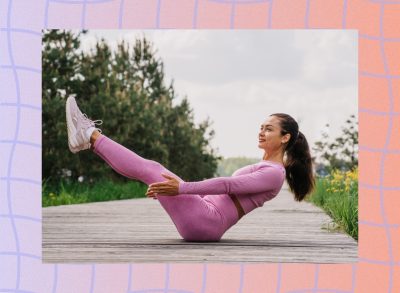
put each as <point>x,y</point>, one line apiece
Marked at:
<point>80,127</point>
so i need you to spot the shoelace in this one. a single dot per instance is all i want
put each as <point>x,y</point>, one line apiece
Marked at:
<point>89,122</point>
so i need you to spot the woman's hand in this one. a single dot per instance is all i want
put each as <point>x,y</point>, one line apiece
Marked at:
<point>170,187</point>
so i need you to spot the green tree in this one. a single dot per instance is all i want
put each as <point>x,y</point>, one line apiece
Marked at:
<point>227,166</point>
<point>126,89</point>
<point>341,153</point>
<point>60,63</point>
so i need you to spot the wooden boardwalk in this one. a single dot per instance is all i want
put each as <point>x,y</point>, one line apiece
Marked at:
<point>139,230</point>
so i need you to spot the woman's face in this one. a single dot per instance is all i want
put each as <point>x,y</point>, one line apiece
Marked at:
<point>269,136</point>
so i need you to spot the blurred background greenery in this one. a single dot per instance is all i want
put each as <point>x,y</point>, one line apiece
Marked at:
<point>126,89</point>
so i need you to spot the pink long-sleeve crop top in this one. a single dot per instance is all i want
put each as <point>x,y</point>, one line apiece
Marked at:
<point>253,184</point>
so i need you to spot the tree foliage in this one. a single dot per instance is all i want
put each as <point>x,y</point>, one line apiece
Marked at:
<point>126,89</point>
<point>341,153</point>
<point>228,166</point>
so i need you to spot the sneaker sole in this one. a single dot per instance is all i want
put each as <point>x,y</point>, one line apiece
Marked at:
<point>71,129</point>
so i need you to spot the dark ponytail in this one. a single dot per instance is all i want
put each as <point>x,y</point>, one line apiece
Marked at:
<point>298,163</point>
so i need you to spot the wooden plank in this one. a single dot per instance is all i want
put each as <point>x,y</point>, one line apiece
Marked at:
<point>139,230</point>
<point>187,253</point>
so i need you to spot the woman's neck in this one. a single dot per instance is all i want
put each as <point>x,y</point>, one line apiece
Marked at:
<point>273,158</point>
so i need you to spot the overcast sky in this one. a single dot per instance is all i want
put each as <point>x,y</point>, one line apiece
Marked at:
<point>239,77</point>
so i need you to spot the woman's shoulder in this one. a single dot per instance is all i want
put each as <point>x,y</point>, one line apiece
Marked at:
<point>260,165</point>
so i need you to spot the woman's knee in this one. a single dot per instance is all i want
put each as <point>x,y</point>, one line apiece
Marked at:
<point>154,165</point>
<point>152,171</point>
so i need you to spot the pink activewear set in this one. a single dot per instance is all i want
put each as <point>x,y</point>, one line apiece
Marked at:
<point>202,211</point>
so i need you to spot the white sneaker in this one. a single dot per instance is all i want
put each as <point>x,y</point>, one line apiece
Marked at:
<point>78,125</point>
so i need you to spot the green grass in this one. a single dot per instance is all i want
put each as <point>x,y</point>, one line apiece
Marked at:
<point>340,204</point>
<point>66,193</point>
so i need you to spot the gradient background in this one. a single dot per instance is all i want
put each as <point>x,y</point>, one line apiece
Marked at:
<point>378,24</point>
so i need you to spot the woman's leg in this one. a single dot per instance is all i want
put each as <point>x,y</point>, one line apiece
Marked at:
<point>196,218</point>
<point>128,163</point>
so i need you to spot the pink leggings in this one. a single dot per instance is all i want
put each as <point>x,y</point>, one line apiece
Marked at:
<point>196,218</point>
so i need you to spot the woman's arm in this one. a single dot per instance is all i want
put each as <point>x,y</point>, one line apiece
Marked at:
<point>264,179</point>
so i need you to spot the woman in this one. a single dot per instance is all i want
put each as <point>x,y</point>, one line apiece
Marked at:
<point>205,210</point>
